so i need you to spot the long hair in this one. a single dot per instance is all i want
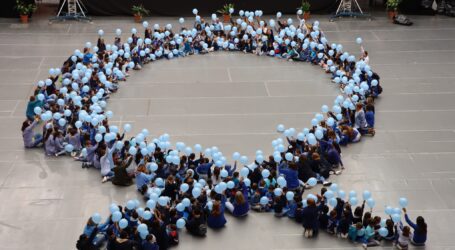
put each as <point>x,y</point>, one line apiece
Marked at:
<point>239,198</point>
<point>216,209</point>
<point>25,125</point>
<point>421,225</point>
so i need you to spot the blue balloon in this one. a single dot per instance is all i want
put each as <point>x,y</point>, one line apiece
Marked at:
<point>341,194</point>
<point>353,201</point>
<point>184,187</point>
<point>116,216</point>
<point>290,196</point>
<point>244,160</point>
<point>142,228</point>
<point>289,156</point>
<point>123,223</point>
<point>383,231</point>
<point>396,218</point>
<point>96,218</point>
<point>186,202</point>
<point>312,181</point>
<point>69,148</point>
<point>333,202</point>
<point>180,223</point>
<point>244,172</point>
<point>131,205</point>
<point>281,181</point>
<point>264,200</point>
<point>403,202</point>
<point>265,173</point>
<point>147,215</point>
<point>230,185</point>
<point>388,210</point>
<point>151,204</point>
<point>371,203</point>
<point>366,195</point>
<point>196,192</point>
<point>180,207</point>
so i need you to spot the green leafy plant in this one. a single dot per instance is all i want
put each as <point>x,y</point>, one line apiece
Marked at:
<point>226,9</point>
<point>25,9</point>
<point>305,7</point>
<point>139,10</point>
<point>393,4</point>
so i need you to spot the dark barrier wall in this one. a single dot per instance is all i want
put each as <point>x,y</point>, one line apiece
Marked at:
<point>205,7</point>
<point>7,8</point>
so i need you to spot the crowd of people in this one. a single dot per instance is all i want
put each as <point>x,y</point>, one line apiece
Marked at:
<point>190,187</point>
<point>199,205</point>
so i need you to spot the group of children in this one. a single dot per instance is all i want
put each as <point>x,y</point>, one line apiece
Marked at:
<point>199,204</point>
<point>70,106</point>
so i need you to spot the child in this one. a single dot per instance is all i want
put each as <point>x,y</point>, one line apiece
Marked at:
<point>404,236</point>
<point>356,232</point>
<point>344,223</point>
<point>333,222</point>
<point>323,217</point>
<point>420,230</point>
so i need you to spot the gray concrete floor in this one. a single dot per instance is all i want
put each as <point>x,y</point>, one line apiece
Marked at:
<point>234,101</point>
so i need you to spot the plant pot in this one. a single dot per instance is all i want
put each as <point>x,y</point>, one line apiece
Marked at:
<point>392,13</point>
<point>137,18</point>
<point>306,15</point>
<point>226,18</point>
<point>24,18</point>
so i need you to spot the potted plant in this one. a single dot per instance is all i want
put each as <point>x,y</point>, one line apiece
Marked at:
<point>392,8</point>
<point>139,11</point>
<point>25,10</point>
<point>226,11</point>
<point>305,8</point>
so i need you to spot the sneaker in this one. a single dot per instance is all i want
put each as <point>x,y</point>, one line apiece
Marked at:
<point>84,165</point>
<point>338,172</point>
<point>326,183</point>
<point>364,246</point>
<point>104,179</point>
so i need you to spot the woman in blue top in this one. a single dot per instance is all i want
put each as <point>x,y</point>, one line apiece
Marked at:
<point>291,175</point>
<point>239,207</point>
<point>420,229</point>
<point>216,218</point>
<point>310,219</point>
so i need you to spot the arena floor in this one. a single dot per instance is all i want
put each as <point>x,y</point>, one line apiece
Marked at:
<point>235,101</point>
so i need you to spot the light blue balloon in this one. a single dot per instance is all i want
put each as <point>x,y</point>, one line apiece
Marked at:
<point>69,148</point>
<point>396,218</point>
<point>132,150</point>
<point>123,223</point>
<point>184,187</point>
<point>265,173</point>
<point>289,156</point>
<point>383,232</point>
<point>290,195</point>
<point>116,216</point>
<point>312,181</point>
<point>333,202</point>
<point>371,203</point>
<point>366,195</point>
<point>230,184</point>
<point>244,172</point>
<point>281,181</point>
<point>353,201</point>
<point>341,194</point>
<point>196,192</point>
<point>264,200</point>
<point>244,160</point>
<point>96,218</point>
<point>403,202</point>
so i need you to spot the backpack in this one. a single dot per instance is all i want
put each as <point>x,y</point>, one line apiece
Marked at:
<point>202,230</point>
<point>402,20</point>
<point>173,238</point>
